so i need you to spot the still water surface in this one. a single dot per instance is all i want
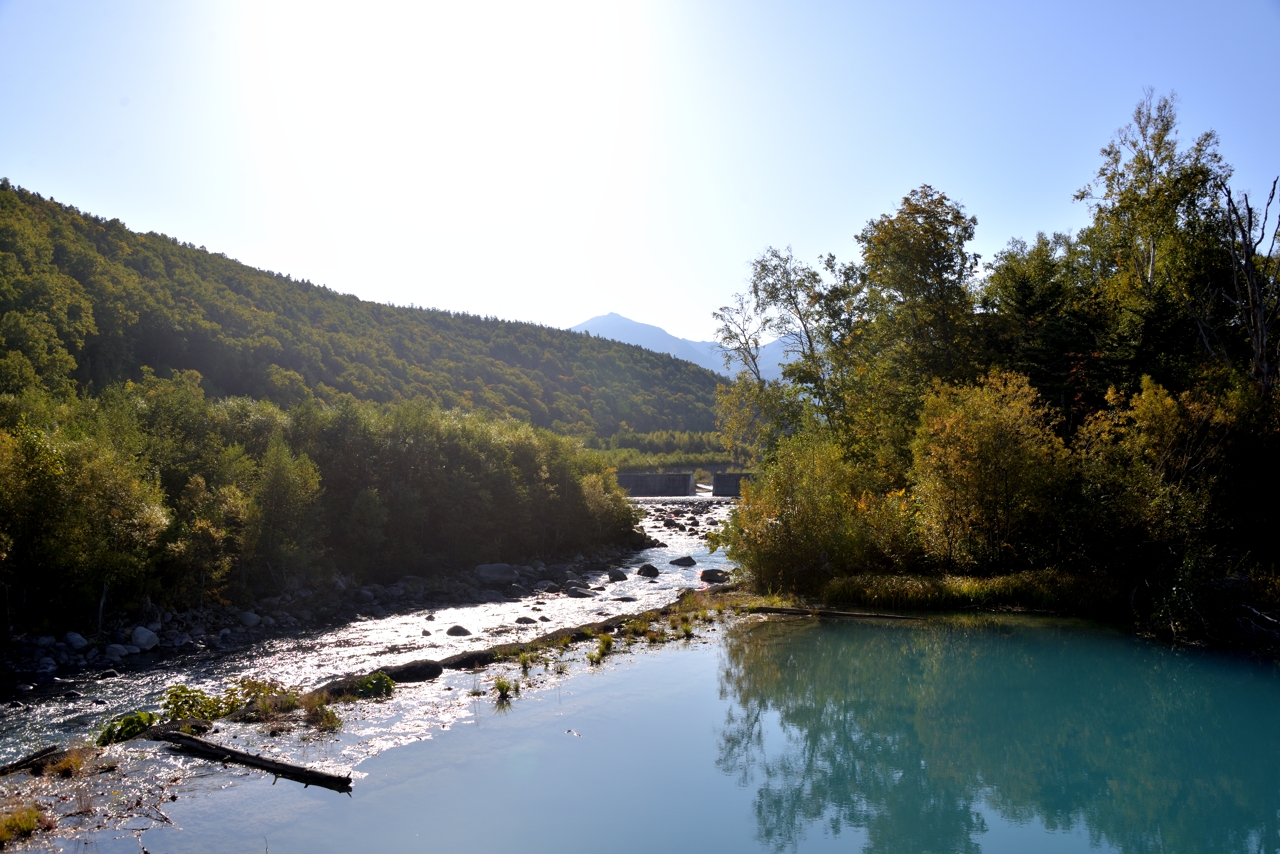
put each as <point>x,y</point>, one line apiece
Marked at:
<point>952,735</point>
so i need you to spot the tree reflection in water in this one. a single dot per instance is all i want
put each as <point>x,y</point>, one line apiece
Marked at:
<point>912,732</point>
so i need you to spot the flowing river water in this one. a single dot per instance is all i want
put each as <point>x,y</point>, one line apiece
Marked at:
<point>950,734</point>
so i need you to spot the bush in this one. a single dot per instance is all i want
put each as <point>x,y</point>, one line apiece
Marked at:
<point>1042,590</point>
<point>991,478</point>
<point>805,518</point>
<point>125,727</point>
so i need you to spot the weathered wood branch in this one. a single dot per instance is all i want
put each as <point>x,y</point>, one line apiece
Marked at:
<point>221,753</point>
<point>29,761</point>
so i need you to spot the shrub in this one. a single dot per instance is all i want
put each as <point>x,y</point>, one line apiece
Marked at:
<point>990,475</point>
<point>806,518</point>
<point>125,727</point>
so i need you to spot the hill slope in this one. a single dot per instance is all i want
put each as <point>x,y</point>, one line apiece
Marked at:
<point>704,353</point>
<point>85,300</point>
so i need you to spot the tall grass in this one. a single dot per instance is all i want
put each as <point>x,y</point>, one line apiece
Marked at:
<point>1036,590</point>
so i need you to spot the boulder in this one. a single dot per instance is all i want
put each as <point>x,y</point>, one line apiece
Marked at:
<point>46,640</point>
<point>525,621</point>
<point>551,587</point>
<point>714,576</point>
<point>575,582</point>
<point>75,641</point>
<point>684,561</point>
<point>515,591</point>
<point>144,638</point>
<point>616,574</point>
<point>496,574</point>
<point>544,619</point>
<point>116,651</point>
<point>415,671</point>
<point>395,591</point>
<point>249,619</point>
<point>457,631</point>
<point>647,571</point>
<point>578,593</point>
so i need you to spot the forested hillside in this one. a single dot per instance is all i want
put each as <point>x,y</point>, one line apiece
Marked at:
<point>86,302</point>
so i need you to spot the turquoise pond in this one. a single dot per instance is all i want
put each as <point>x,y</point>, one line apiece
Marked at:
<point>959,734</point>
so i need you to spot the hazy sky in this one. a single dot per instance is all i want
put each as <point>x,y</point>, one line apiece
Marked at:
<point>555,161</point>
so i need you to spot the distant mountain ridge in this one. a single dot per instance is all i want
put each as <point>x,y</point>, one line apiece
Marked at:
<point>706,354</point>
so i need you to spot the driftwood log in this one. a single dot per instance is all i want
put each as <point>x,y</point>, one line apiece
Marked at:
<point>29,761</point>
<point>821,612</point>
<point>221,753</point>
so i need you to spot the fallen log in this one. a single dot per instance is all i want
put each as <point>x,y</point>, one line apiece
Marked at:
<point>821,612</point>
<point>220,753</point>
<point>28,762</point>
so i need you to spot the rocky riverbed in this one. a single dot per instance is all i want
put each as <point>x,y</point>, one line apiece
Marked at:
<point>313,635</point>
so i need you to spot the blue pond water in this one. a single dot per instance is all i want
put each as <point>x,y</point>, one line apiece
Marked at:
<point>949,735</point>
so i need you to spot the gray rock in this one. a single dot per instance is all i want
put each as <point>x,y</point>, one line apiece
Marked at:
<point>395,591</point>
<point>131,649</point>
<point>46,664</point>
<point>182,639</point>
<point>155,625</point>
<point>46,640</point>
<point>496,574</point>
<point>366,595</point>
<point>544,619</point>
<point>578,593</point>
<point>115,651</point>
<point>515,591</point>
<point>575,582</point>
<point>144,638</point>
<point>551,587</point>
<point>616,574</point>
<point>75,641</point>
<point>249,619</point>
<point>684,561</point>
<point>525,621</point>
<point>422,670</point>
<point>457,632</point>
<point>647,571</point>
<point>714,576</point>
<point>426,633</point>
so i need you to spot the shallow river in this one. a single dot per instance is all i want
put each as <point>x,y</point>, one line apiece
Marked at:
<point>951,734</point>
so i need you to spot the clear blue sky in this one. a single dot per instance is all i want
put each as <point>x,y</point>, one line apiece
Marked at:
<point>554,161</point>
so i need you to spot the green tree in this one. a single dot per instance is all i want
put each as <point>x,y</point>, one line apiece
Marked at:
<point>990,476</point>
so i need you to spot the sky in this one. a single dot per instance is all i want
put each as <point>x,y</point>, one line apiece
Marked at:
<point>555,161</point>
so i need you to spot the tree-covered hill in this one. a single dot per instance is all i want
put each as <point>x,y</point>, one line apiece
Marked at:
<point>86,301</point>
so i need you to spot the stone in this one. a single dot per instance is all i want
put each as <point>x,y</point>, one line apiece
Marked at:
<point>714,576</point>
<point>395,591</point>
<point>155,625</point>
<point>684,561</point>
<point>544,619</point>
<point>515,591</point>
<point>624,598</point>
<point>575,582</point>
<point>525,621</point>
<point>366,595</point>
<point>115,651</point>
<point>46,640</point>
<point>431,616</point>
<point>75,641</point>
<point>457,631</point>
<point>182,639</point>
<point>616,574</point>
<point>578,593</point>
<point>647,571</point>
<point>496,574</point>
<point>144,638</point>
<point>249,619</point>
<point>131,649</point>
<point>551,587</point>
<point>415,671</point>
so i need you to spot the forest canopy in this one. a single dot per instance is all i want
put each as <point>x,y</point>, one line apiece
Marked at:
<point>1087,422</point>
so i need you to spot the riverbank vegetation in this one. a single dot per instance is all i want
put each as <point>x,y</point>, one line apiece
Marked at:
<point>153,489</point>
<point>1086,423</point>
